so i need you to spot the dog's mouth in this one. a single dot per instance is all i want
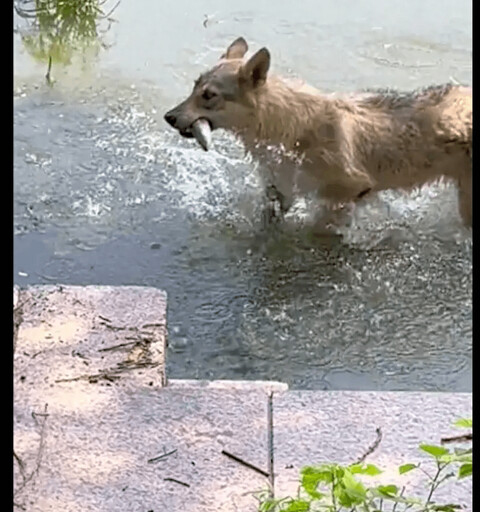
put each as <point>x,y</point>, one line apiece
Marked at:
<point>201,130</point>
<point>187,133</point>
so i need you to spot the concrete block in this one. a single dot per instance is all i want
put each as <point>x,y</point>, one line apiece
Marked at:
<point>91,333</point>
<point>111,448</point>
<point>95,430</point>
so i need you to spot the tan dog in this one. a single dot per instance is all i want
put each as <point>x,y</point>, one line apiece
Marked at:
<point>341,147</point>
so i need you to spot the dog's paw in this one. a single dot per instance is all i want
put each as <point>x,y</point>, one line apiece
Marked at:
<point>272,213</point>
<point>284,202</point>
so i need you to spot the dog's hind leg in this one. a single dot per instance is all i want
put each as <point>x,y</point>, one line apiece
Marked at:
<point>333,217</point>
<point>339,213</point>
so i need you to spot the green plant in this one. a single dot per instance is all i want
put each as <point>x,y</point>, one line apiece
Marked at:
<point>332,487</point>
<point>57,29</point>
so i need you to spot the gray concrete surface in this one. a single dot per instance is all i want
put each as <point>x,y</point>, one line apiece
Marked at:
<point>97,454</point>
<point>97,429</point>
<point>312,427</point>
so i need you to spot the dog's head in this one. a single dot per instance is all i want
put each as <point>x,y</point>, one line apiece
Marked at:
<point>224,95</point>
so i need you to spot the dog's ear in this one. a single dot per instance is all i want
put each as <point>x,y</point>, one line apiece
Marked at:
<point>236,50</point>
<point>255,70</point>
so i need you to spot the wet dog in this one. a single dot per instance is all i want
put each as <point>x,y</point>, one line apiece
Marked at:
<point>343,148</point>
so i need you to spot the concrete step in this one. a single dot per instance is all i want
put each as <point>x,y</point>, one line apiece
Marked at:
<point>92,333</point>
<point>97,426</point>
<point>105,448</point>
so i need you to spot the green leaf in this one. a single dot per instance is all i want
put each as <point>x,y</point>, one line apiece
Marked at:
<point>388,490</point>
<point>450,507</point>
<point>312,476</point>
<point>405,468</point>
<point>267,506</point>
<point>339,471</point>
<point>462,451</point>
<point>323,473</point>
<point>343,498</point>
<point>368,469</point>
<point>298,506</point>
<point>465,470</point>
<point>354,489</point>
<point>463,423</point>
<point>435,451</point>
<point>456,457</point>
<point>375,492</point>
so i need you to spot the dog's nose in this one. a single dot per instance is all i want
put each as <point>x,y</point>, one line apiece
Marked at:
<point>170,118</point>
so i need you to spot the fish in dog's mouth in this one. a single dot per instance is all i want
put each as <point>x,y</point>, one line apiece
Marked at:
<point>201,131</point>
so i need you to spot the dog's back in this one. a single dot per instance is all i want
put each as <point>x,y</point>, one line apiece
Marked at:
<point>446,108</point>
<point>382,140</point>
<point>406,140</point>
<point>347,146</point>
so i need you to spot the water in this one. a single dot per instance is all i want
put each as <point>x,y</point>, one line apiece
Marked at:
<point>106,193</point>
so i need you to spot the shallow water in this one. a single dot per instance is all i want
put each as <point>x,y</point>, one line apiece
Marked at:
<point>106,193</point>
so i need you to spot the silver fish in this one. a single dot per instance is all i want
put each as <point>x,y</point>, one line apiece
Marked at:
<point>202,132</point>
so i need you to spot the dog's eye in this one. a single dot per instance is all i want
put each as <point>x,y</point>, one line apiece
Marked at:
<point>208,94</point>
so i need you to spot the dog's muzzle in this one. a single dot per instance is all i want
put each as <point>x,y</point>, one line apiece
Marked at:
<point>201,130</point>
<point>171,119</point>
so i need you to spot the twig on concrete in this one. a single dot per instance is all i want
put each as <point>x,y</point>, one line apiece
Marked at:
<point>161,457</point>
<point>48,77</point>
<point>117,328</point>
<point>457,439</point>
<point>110,376</point>
<point>40,414</point>
<point>116,347</point>
<point>176,481</point>
<point>146,326</point>
<point>20,463</point>
<point>134,365</point>
<point>42,423</point>
<point>17,320</point>
<point>72,379</point>
<point>79,354</point>
<point>371,448</point>
<point>141,338</point>
<point>271,448</point>
<point>245,463</point>
<point>400,496</point>
<point>44,416</point>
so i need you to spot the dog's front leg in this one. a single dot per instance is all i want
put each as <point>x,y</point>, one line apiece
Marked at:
<point>279,194</point>
<point>277,204</point>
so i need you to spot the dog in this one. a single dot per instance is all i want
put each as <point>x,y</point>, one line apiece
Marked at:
<point>341,147</point>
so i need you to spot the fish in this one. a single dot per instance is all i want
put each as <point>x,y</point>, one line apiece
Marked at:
<point>203,133</point>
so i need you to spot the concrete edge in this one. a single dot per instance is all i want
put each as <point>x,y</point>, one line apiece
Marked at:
<point>229,385</point>
<point>16,291</point>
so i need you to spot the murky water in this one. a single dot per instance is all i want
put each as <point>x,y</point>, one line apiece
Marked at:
<point>106,193</point>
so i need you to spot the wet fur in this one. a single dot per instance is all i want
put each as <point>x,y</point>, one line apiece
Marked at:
<point>341,146</point>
